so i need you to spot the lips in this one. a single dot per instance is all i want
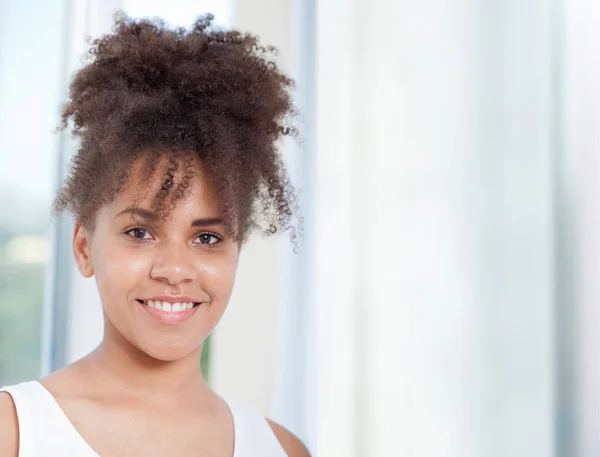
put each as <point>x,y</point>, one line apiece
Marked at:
<point>170,317</point>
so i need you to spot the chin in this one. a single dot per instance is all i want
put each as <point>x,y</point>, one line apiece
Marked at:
<point>167,352</point>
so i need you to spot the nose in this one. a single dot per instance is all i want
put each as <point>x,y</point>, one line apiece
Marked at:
<point>173,265</point>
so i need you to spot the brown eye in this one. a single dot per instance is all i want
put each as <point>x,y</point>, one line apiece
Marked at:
<point>139,233</point>
<point>208,238</point>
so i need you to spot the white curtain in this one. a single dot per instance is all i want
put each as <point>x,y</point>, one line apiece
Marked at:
<point>450,223</point>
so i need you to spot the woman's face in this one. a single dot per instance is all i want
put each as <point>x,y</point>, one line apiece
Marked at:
<point>164,284</point>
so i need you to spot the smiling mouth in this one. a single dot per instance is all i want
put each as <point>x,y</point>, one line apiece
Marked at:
<point>168,306</point>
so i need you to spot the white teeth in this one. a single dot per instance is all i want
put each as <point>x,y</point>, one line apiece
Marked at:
<point>169,307</point>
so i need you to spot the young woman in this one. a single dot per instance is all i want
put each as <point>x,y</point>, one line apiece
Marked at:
<point>177,162</point>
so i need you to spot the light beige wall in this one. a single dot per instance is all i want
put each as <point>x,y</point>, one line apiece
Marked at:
<point>242,354</point>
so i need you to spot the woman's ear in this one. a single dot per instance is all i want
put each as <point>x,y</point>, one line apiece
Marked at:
<point>81,250</point>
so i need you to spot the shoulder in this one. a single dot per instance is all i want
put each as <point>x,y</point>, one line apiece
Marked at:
<point>9,425</point>
<point>290,443</point>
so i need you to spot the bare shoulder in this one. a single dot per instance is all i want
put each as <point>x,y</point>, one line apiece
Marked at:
<point>290,443</point>
<point>9,444</point>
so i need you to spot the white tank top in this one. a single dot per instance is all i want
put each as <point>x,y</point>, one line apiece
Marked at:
<point>45,431</point>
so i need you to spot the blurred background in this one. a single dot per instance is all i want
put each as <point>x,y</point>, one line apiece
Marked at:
<point>445,299</point>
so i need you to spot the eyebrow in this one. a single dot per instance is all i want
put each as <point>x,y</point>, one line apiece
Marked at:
<point>149,215</point>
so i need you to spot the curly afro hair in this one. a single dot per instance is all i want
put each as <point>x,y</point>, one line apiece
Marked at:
<point>204,96</point>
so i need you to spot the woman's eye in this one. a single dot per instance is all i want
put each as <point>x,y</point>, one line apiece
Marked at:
<point>139,233</point>
<point>208,238</point>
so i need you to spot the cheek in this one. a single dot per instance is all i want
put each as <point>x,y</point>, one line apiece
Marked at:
<point>119,271</point>
<point>218,279</point>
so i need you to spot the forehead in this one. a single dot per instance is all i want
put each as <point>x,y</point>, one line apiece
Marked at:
<point>185,190</point>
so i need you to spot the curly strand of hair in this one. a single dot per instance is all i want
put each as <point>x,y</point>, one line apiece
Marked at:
<point>188,176</point>
<point>159,204</point>
<point>203,23</point>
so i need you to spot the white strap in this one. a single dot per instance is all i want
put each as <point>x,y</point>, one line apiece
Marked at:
<point>22,395</point>
<point>253,435</point>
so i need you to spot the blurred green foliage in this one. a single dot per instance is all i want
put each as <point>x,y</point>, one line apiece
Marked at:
<point>21,299</point>
<point>205,361</point>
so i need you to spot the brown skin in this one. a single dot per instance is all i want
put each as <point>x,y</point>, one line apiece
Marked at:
<point>175,258</point>
<point>141,392</point>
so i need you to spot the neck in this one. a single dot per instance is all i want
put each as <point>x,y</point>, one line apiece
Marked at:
<point>125,368</point>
